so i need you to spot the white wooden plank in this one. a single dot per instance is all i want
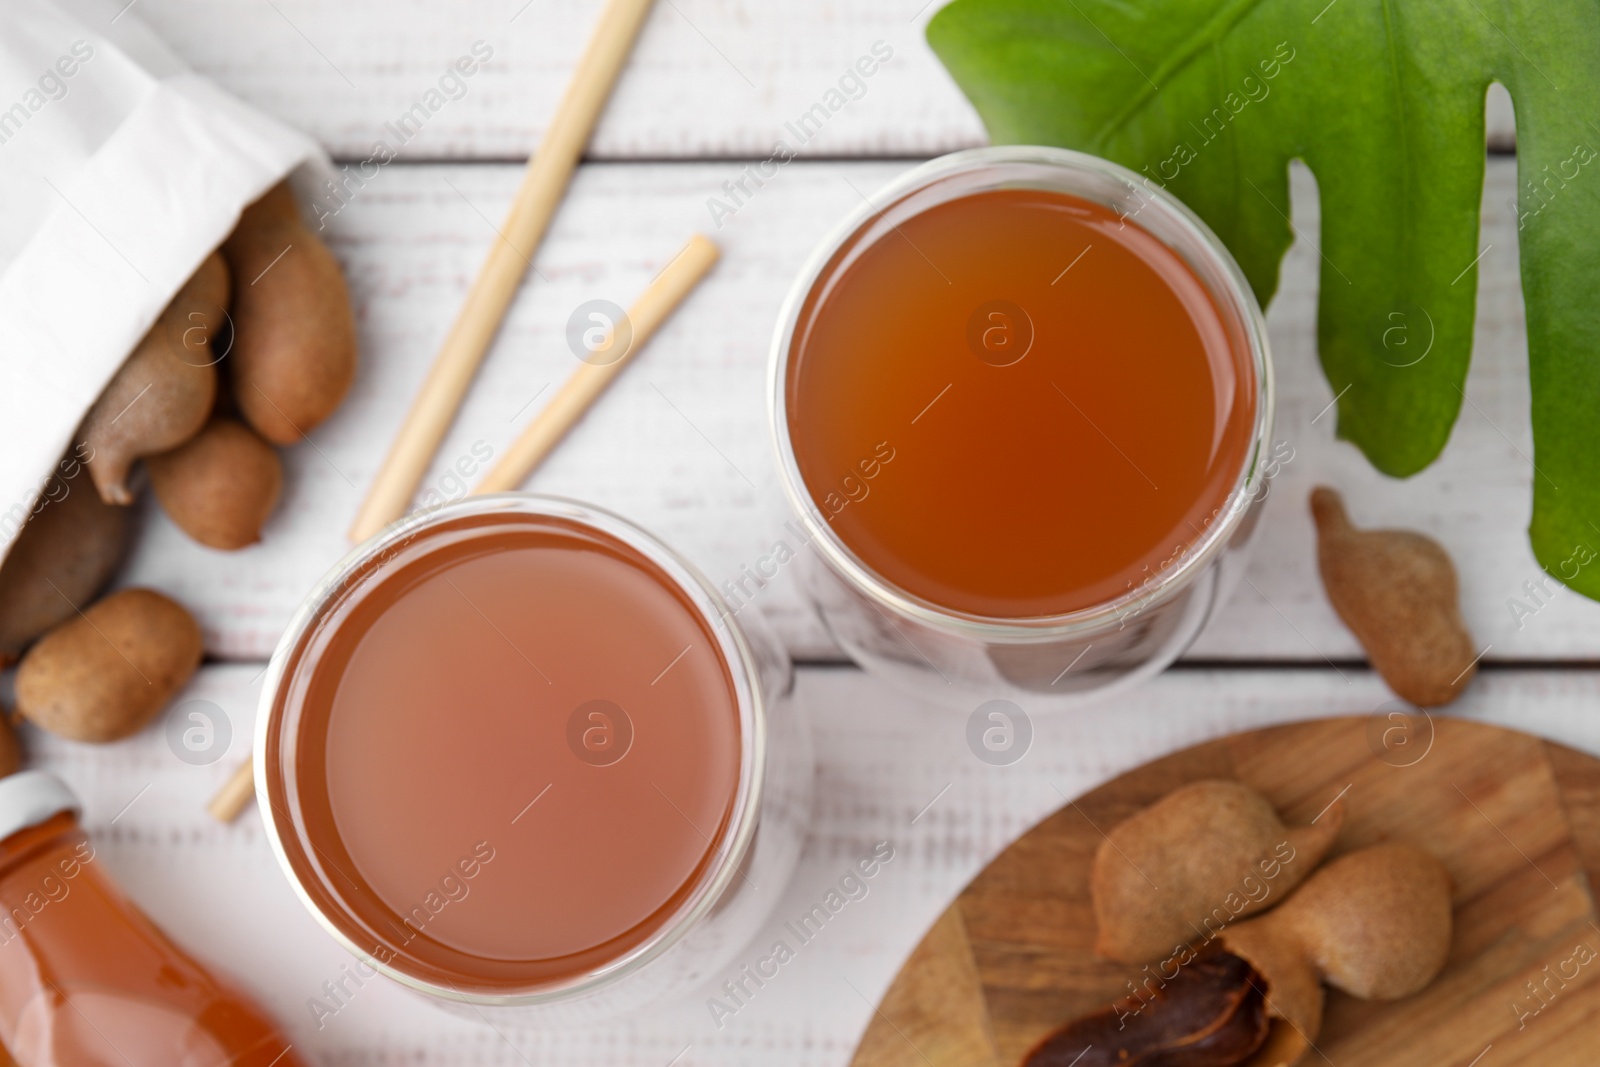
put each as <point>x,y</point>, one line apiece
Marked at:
<point>674,442</point>
<point>888,771</point>
<point>709,77</point>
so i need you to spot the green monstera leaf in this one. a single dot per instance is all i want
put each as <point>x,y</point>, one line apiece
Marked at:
<point>1384,101</point>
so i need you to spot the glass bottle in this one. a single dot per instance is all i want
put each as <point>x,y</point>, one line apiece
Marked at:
<point>85,978</point>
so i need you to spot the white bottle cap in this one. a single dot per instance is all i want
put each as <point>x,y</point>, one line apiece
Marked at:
<point>28,798</point>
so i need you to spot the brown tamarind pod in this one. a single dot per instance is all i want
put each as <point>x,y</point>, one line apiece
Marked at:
<point>220,485</point>
<point>108,671</point>
<point>163,392</point>
<point>1375,923</point>
<point>294,347</point>
<point>1203,856</point>
<point>65,554</point>
<point>1397,591</point>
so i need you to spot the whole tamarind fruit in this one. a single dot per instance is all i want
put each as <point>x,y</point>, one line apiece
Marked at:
<point>294,347</point>
<point>106,672</point>
<point>65,554</point>
<point>163,392</point>
<point>1397,591</point>
<point>220,485</point>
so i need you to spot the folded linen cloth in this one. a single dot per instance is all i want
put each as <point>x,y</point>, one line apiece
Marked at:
<point>120,170</point>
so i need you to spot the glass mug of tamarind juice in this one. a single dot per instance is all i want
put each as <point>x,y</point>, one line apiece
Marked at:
<point>514,754</point>
<point>1020,401</point>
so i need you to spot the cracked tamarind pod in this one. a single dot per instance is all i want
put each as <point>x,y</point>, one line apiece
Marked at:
<point>294,349</point>
<point>1210,1014</point>
<point>220,485</point>
<point>1375,923</point>
<point>105,673</point>
<point>163,392</point>
<point>1201,857</point>
<point>65,554</point>
<point>1397,592</point>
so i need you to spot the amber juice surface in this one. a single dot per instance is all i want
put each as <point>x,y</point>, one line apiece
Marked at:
<point>516,746</point>
<point>1016,403</point>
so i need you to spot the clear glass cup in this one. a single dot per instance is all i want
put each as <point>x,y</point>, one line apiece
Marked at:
<point>733,895</point>
<point>957,660</point>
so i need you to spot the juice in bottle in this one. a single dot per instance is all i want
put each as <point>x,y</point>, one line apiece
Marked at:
<point>85,978</point>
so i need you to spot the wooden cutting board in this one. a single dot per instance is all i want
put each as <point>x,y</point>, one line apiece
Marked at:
<point>1515,819</point>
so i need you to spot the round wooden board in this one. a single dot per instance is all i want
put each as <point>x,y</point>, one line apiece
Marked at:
<point>1515,819</point>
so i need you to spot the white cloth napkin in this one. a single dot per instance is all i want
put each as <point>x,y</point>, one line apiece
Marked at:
<point>120,170</point>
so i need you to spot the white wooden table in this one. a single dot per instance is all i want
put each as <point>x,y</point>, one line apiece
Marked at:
<point>679,445</point>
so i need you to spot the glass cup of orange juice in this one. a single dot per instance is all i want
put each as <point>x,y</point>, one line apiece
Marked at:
<point>1021,402</point>
<point>514,753</point>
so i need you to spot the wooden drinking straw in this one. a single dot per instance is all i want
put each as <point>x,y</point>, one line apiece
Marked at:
<point>234,794</point>
<point>543,184</point>
<point>648,312</point>
<point>676,280</point>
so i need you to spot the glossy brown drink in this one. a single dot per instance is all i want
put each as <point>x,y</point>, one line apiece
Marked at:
<point>1017,403</point>
<point>514,751</point>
